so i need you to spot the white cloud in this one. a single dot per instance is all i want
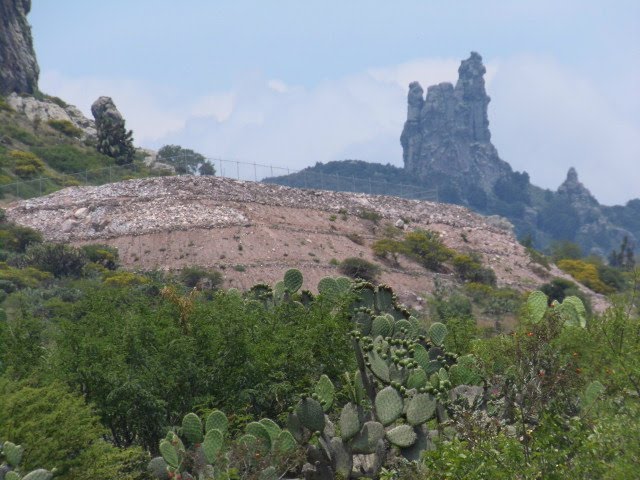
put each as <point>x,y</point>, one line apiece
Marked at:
<point>544,118</point>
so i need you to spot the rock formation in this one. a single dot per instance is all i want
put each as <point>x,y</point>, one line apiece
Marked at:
<point>447,134</point>
<point>18,66</point>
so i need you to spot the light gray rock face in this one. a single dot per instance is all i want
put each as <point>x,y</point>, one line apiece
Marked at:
<point>447,133</point>
<point>19,69</point>
<point>104,109</point>
<point>46,110</point>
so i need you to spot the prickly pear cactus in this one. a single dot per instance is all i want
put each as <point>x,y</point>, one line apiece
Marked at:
<point>293,280</point>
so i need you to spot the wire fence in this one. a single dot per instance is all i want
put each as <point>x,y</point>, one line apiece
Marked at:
<point>239,170</point>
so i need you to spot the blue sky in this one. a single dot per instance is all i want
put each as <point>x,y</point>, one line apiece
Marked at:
<point>293,83</point>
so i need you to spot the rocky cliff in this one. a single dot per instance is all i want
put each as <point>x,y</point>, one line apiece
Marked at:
<point>18,66</point>
<point>447,133</point>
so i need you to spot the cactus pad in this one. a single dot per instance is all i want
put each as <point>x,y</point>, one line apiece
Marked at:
<point>388,405</point>
<point>293,280</point>
<point>399,326</point>
<point>573,312</point>
<point>192,428</point>
<point>349,421</point>
<point>366,441</point>
<point>285,443</point>
<point>325,391</point>
<point>342,459</point>
<point>311,414</point>
<point>217,420</point>
<point>421,408</point>
<point>537,306</point>
<point>421,356</point>
<point>381,326</point>
<point>39,474</point>
<point>158,468</point>
<point>384,298</point>
<point>169,453</point>
<point>12,475</point>
<point>272,428</point>
<point>261,433</point>
<point>13,453</point>
<point>437,332</point>
<point>212,444</point>
<point>417,379</point>
<point>378,366</point>
<point>364,322</point>
<point>295,427</point>
<point>328,287</point>
<point>402,436</point>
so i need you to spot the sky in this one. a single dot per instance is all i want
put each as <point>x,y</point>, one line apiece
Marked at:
<point>292,83</point>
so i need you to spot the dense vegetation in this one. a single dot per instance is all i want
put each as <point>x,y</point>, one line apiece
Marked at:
<point>102,369</point>
<point>544,215</point>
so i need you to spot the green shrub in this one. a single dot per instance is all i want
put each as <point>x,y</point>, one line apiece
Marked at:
<point>355,267</point>
<point>124,279</point>
<point>426,247</point>
<point>102,255</point>
<point>61,431</point>
<point>371,215</point>
<point>16,238</point>
<point>65,127</point>
<point>23,277</point>
<point>26,164</point>
<point>469,269</point>
<point>197,277</point>
<point>59,259</point>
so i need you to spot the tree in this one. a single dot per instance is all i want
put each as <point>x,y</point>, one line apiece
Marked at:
<point>185,160</point>
<point>115,141</point>
<point>623,258</point>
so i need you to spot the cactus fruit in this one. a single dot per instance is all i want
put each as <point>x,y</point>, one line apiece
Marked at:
<point>13,453</point>
<point>421,408</point>
<point>169,453</point>
<point>349,422</point>
<point>293,280</point>
<point>437,332</point>
<point>388,405</point>
<point>217,420</point>
<point>192,428</point>
<point>212,444</point>
<point>537,306</point>
<point>311,414</point>
<point>402,436</point>
<point>325,392</point>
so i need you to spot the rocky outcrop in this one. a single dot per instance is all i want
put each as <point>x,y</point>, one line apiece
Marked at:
<point>51,109</point>
<point>594,228</point>
<point>104,110</point>
<point>447,133</point>
<point>18,66</point>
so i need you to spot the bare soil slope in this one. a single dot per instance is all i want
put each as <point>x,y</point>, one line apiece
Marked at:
<point>254,232</point>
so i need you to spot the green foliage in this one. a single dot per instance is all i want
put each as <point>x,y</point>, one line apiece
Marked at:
<point>469,269</point>
<point>61,432</point>
<point>56,258</point>
<point>201,278</point>
<point>68,158</point>
<point>585,273</point>
<point>104,255</point>
<point>565,250</point>
<point>185,160</point>
<point>370,215</point>
<point>26,164</point>
<point>115,141</point>
<point>65,127</point>
<point>16,238</point>
<point>424,246</point>
<point>356,267</point>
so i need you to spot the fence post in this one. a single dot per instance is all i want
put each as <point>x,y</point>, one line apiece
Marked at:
<point>238,169</point>
<point>17,189</point>
<point>255,174</point>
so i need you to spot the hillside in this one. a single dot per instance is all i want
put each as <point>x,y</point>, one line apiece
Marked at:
<point>254,232</point>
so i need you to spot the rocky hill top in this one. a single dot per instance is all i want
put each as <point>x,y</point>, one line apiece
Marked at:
<point>19,69</point>
<point>255,232</point>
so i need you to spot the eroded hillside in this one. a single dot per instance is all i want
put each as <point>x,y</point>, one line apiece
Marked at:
<point>254,232</point>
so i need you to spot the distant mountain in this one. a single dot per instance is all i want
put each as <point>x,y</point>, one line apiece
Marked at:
<point>447,150</point>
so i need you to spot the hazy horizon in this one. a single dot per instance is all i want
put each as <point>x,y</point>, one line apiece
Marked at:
<point>293,83</point>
